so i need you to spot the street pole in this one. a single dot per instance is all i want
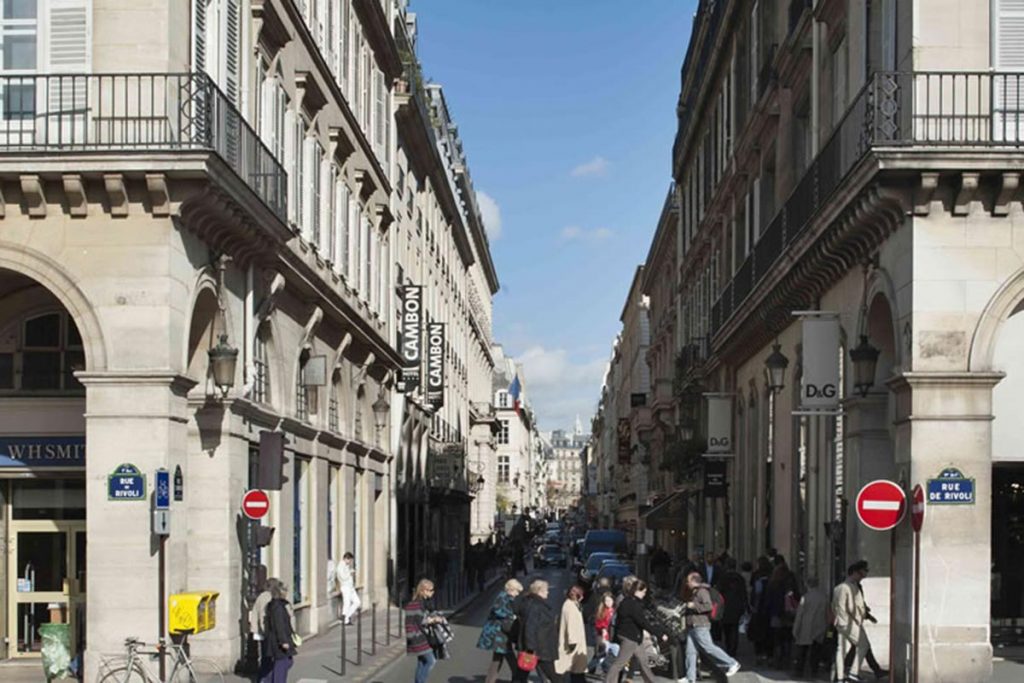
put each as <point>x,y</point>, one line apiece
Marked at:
<point>161,611</point>
<point>892,605</point>
<point>917,600</point>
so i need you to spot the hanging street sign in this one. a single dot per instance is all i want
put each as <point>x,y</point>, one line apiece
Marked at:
<point>951,488</point>
<point>917,508</point>
<point>881,505</point>
<point>162,489</point>
<point>255,504</point>
<point>126,483</point>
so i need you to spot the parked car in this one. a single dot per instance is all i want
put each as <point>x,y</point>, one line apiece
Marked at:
<point>550,555</point>
<point>605,540</point>
<point>616,571</point>
<point>593,564</point>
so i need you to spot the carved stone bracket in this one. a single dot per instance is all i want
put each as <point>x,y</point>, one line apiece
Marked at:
<point>968,189</point>
<point>340,146</point>
<point>275,285</point>
<point>225,227</point>
<point>384,216</point>
<point>117,194</point>
<point>309,95</point>
<point>1007,190</point>
<point>924,192</point>
<point>339,353</point>
<point>366,185</point>
<point>159,197</point>
<point>74,191</point>
<point>35,198</point>
<point>316,316</point>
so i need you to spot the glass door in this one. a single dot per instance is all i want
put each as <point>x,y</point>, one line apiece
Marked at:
<point>47,581</point>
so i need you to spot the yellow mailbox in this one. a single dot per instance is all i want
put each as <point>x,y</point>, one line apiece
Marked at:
<point>192,612</point>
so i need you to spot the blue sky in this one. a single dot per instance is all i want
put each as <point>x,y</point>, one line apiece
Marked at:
<point>567,112</point>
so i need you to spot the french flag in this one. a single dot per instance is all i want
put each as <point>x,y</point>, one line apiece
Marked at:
<point>514,390</point>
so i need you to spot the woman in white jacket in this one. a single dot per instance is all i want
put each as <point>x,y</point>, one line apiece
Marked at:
<point>350,602</point>
<point>572,638</point>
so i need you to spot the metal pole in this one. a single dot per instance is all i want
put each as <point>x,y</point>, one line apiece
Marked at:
<point>917,599</point>
<point>892,604</point>
<point>359,638</point>
<point>344,647</point>
<point>161,612</point>
<point>387,623</point>
<point>373,631</point>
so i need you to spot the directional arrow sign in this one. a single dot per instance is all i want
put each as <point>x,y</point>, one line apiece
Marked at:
<point>255,504</point>
<point>917,508</point>
<point>881,505</point>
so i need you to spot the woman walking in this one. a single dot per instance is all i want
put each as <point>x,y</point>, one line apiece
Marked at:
<point>572,638</point>
<point>416,618</point>
<point>538,632</point>
<point>630,624</point>
<point>498,628</point>
<point>278,634</point>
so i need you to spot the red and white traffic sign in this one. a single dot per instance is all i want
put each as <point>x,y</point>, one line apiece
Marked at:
<point>917,508</point>
<point>881,505</point>
<point>255,504</point>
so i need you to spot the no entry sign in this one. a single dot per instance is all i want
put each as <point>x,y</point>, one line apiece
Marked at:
<point>917,508</point>
<point>255,504</point>
<point>881,505</point>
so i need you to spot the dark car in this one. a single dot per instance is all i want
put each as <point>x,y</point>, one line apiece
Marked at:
<point>616,571</point>
<point>550,556</point>
<point>605,540</point>
<point>593,564</point>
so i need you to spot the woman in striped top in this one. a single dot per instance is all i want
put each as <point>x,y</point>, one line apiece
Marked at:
<point>415,619</point>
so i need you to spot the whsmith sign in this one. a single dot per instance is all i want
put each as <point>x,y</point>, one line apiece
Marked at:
<point>42,451</point>
<point>412,336</point>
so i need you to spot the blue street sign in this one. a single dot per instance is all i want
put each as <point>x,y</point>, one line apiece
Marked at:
<point>951,488</point>
<point>126,483</point>
<point>163,489</point>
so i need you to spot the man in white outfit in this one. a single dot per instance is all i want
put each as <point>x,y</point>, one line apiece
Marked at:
<point>849,609</point>
<point>350,602</point>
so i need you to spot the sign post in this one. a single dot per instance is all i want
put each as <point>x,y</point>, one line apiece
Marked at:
<point>917,507</point>
<point>162,529</point>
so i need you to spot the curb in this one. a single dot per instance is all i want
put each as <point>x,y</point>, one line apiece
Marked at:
<point>389,658</point>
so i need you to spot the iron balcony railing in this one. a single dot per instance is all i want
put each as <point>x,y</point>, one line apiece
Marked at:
<point>136,112</point>
<point>930,109</point>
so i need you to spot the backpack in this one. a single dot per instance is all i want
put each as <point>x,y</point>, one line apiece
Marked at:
<point>717,604</point>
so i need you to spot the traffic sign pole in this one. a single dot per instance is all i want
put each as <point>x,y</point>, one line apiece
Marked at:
<point>917,511</point>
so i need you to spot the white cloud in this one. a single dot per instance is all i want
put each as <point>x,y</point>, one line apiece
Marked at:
<point>491,214</point>
<point>598,166</point>
<point>575,232</point>
<point>560,387</point>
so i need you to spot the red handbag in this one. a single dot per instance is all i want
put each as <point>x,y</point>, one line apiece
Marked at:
<point>527,661</point>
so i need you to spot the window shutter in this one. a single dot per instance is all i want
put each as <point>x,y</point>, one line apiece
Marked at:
<point>1008,123</point>
<point>379,114</point>
<point>67,37</point>
<point>199,35</point>
<point>232,50</point>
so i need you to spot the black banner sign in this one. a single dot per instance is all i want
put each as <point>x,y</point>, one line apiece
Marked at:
<point>435,364</point>
<point>715,484</point>
<point>411,336</point>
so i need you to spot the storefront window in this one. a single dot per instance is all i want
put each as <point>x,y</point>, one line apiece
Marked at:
<point>46,359</point>
<point>59,499</point>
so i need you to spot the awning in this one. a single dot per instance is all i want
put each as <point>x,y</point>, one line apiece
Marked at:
<point>670,513</point>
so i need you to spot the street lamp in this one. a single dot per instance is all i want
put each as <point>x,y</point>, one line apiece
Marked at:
<point>223,360</point>
<point>865,362</point>
<point>775,368</point>
<point>381,408</point>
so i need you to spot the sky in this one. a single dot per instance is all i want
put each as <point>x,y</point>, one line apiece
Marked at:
<point>566,109</point>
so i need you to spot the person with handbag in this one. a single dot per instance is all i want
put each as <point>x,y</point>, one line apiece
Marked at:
<point>280,639</point>
<point>538,636</point>
<point>417,620</point>
<point>499,630</point>
<point>630,624</point>
<point>572,638</point>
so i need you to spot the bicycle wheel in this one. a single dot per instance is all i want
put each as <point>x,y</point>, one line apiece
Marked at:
<point>199,670</point>
<point>121,673</point>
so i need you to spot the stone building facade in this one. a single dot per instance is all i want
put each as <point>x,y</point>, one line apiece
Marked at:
<point>237,190</point>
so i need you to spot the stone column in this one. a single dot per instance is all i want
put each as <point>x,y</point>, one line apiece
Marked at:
<point>944,419</point>
<point>137,417</point>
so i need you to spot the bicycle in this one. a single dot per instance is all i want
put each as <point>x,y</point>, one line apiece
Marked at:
<point>133,669</point>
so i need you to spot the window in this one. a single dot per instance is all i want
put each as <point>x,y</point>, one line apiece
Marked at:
<point>19,38</point>
<point>342,211</point>
<point>503,400</point>
<point>504,468</point>
<point>301,393</point>
<point>312,159</point>
<point>273,104</point>
<point>42,355</point>
<point>261,368</point>
<point>503,435</point>
<point>333,477</point>
<point>344,47</point>
<point>366,258</point>
<point>380,116</point>
<point>295,162</point>
<point>300,541</point>
<point>365,101</point>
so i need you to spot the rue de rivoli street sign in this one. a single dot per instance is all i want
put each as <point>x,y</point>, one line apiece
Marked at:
<point>126,483</point>
<point>951,488</point>
<point>881,505</point>
<point>255,504</point>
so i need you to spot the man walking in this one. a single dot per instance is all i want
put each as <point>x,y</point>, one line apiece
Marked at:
<point>698,630</point>
<point>849,609</point>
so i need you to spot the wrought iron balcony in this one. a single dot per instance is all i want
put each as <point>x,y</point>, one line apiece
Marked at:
<point>136,112</point>
<point>928,110</point>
